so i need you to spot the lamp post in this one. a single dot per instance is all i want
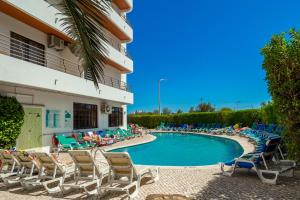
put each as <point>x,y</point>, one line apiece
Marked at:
<point>160,80</point>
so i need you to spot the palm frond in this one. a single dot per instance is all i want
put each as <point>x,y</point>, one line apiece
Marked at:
<point>83,22</point>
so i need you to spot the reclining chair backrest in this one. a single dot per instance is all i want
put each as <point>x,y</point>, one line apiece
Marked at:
<point>26,162</point>
<point>84,163</point>
<point>62,139</point>
<point>50,166</point>
<point>120,165</point>
<point>271,147</point>
<point>8,157</point>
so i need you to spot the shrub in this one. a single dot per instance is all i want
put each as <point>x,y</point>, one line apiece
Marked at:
<point>270,114</point>
<point>11,121</point>
<point>246,117</point>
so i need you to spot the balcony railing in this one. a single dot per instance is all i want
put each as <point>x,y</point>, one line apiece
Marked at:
<point>27,52</point>
<point>117,46</point>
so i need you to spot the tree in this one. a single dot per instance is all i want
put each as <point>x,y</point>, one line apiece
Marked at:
<point>225,109</point>
<point>166,111</point>
<point>82,23</point>
<point>191,109</point>
<point>179,111</point>
<point>282,65</point>
<point>205,107</point>
<point>155,111</point>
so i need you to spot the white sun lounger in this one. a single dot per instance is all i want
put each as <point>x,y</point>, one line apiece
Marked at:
<point>87,173</point>
<point>123,175</point>
<point>9,164</point>
<point>27,167</point>
<point>51,171</point>
<point>272,168</point>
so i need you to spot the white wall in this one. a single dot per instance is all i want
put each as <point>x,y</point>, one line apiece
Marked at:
<point>61,102</point>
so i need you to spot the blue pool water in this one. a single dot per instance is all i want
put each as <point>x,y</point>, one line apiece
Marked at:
<point>174,149</point>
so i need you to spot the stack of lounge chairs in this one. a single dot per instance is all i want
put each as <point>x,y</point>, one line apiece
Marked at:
<point>42,170</point>
<point>218,128</point>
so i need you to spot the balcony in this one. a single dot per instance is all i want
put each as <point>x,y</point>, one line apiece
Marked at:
<point>23,51</point>
<point>38,14</point>
<point>119,25</point>
<point>124,5</point>
<point>119,57</point>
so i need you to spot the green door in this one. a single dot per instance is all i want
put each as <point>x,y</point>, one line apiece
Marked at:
<point>31,132</point>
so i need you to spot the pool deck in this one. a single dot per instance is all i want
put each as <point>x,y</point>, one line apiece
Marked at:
<point>195,182</point>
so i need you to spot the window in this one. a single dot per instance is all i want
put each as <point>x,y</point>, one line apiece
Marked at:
<point>85,116</point>
<point>115,119</point>
<point>26,49</point>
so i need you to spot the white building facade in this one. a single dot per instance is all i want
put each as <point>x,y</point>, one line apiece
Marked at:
<point>38,68</point>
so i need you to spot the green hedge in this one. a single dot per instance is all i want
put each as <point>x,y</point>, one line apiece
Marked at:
<point>11,121</point>
<point>246,117</point>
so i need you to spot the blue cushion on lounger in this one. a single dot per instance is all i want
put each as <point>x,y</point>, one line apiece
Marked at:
<point>240,164</point>
<point>245,165</point>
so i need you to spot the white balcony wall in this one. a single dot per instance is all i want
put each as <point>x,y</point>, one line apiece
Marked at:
<point>119,57</point>
<point>15,71</point>
<point>120,23</point>
<point>40,9</point>
<point>129,2</point>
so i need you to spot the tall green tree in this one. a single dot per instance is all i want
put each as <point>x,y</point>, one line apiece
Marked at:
<point>166,111</point>
<point>226,109</point>
<point>205,107</point>
<point>155,111</point>
<point>191,109</point>
<point>179,111</point>
<point>282,65</point>
<point>83,21</point>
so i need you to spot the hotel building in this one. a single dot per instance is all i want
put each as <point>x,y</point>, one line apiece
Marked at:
<point>38,68</point>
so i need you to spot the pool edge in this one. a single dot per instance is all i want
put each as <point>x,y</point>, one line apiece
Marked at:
<point>243,142</point>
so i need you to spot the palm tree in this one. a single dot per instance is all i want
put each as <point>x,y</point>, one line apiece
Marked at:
<point>83,23</point>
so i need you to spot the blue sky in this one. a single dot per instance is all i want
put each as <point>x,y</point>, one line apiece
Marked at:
<point>207,49</point>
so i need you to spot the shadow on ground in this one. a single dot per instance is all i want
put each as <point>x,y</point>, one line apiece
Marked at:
<point>246,185</point>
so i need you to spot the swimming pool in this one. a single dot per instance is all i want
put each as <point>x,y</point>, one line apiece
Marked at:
<point>175,149</point>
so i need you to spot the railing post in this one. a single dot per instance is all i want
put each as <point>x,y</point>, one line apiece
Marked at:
<point>119,84</point>
<point>63,61</point>
<point>46,60</point>
<point>112,82</point>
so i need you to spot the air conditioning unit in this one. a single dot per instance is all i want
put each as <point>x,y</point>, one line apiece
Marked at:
<point>105,108</point>
<point>56,43</point>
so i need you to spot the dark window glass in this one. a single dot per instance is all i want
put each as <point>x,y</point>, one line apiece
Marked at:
<point>85,116</point>
<point>115,119</point>
<point>26,49</point>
